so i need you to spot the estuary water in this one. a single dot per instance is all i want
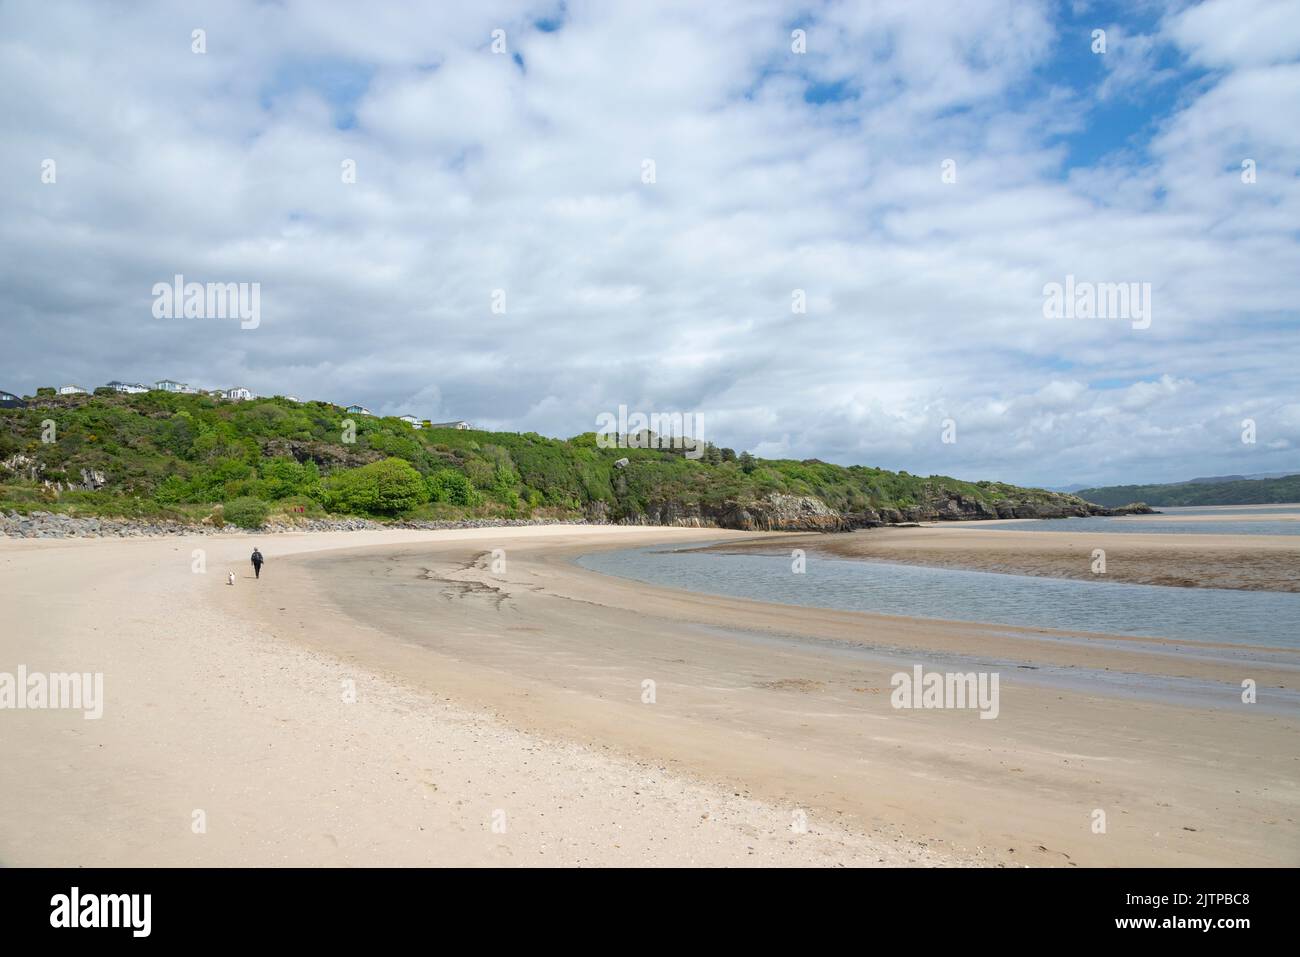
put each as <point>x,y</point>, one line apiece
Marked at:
<point>1192,614</point>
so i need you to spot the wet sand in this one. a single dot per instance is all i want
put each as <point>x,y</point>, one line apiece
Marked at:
<point>521,689</point>
<point>791,705</point>
<point>1248,562</point>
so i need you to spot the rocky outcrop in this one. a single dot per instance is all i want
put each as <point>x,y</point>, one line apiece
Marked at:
<point>787,513</point>
<point>325,454</point>
<point>26,467</point>
<point>22,466</point>
<point>949,507</point>
<point>1135,508</point>
<point>1009,509</point>
<point>92,480</point>
<point>1076,509</point>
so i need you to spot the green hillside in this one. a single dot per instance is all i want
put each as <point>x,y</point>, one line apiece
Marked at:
<point>181,456</point>
<point>1267,491</point>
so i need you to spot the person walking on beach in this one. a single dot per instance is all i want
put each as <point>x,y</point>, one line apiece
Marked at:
<point>257,563</point>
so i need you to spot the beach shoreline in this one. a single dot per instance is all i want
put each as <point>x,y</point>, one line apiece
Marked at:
<point>528,681</point>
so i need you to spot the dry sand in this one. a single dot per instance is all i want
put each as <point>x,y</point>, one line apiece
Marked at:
<point>516,695</point>
<point>1249,562</point>
<point>209,709</point>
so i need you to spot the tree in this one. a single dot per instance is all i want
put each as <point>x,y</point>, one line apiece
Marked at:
<point>747,463</point>
<point>390,487</point>
<point>283,476</point>
<point>452,487</point>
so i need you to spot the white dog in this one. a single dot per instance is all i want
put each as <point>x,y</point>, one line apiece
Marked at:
<point>230,578</point>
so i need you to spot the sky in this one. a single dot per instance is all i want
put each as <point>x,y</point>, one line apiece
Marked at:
<point>561,208</point>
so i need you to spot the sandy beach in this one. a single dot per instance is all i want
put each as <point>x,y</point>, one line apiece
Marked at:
<point>474,698</point>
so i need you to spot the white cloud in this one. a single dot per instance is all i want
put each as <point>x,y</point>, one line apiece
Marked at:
<point>473,174</point>
<point>1238,33</point>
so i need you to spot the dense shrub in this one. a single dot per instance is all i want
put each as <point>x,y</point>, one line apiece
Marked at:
<point>451,487</point>
<point>173,489</point>
<point>246,512</point>
<point>283,477</point>
<point>390,487</point>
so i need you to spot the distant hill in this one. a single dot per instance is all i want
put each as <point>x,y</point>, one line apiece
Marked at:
<point>1227,490</point>
<point>1233,478</point>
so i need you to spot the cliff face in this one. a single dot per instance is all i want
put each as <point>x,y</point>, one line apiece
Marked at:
<point>784,513</point>
<point>804,513</point>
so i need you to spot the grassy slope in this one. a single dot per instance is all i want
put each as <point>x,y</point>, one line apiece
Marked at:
<point>1235,492</point>
<point>176,455</point>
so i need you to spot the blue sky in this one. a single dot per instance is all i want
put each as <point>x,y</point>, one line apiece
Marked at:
<point>342,83</point>
<point>777,174</point>
<point>1127,120</point>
